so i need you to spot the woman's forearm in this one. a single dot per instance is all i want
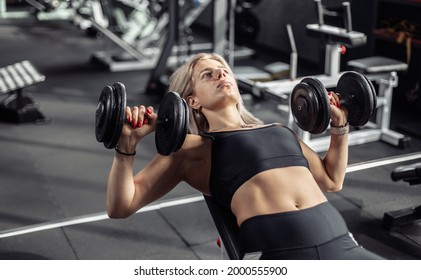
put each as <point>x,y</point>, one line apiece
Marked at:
<point>121,187</point>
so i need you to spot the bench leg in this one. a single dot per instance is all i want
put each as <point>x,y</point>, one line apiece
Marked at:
<point>20,107</point>
<point>397,218</point>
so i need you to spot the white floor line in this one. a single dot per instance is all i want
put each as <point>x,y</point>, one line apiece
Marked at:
<point>181,201</point>
<point>94,217</point>
<point>381,162</point>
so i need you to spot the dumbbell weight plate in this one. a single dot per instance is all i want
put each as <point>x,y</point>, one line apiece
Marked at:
<point>304,106</point>
<point>323,117</point>
<point>359,95</point>
<point>110,115</point>
<point>172,123</point>
<point>309,105</point>
<point>119,117</point>
<point>184,123</point>
<point>373,95</point>
<point>103,114</point>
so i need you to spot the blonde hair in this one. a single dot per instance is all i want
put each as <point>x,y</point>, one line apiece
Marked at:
<point>181,81</point>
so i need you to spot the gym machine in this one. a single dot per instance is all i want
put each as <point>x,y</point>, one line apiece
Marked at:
<point>144,33</point>
<point>69,10</point>
<point>337,40</point>
<point>393,219</point>
<point>41,10</point>
<point>85,9</point>
<point>19,106</point>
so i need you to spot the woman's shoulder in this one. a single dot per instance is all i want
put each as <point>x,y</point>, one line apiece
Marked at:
<point>196,143</point>
<point>194,158</point>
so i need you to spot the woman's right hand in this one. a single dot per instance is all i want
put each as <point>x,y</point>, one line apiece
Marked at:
<point>140,121</point>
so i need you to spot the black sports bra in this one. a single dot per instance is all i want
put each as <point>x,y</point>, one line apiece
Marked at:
<point>240,154</point>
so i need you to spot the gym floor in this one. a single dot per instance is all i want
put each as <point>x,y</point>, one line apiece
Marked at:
<point>54,175</point>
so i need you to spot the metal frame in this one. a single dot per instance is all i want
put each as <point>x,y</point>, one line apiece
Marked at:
<point>4,14</point>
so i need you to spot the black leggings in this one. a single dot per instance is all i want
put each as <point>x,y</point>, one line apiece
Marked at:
<point>316,233</point>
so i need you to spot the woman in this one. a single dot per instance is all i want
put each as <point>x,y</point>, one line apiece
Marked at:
<point>271,180</point>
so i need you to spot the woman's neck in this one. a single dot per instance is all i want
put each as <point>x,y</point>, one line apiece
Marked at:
<point>226,119</point>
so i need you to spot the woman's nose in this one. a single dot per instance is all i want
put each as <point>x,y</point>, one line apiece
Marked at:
<point>220,73</point>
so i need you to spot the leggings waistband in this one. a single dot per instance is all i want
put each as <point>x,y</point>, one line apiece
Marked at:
<point>289,230</point>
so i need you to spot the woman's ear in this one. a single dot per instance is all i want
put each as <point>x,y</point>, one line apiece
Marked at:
<point>193,103</point>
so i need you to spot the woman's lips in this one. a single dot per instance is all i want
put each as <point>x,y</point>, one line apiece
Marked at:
<point>224,83</point>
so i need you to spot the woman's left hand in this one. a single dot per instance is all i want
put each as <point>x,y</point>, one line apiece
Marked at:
<point>338,113</point>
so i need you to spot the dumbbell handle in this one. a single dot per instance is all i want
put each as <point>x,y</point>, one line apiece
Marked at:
<point>146,120</point>
<point>346,100</point>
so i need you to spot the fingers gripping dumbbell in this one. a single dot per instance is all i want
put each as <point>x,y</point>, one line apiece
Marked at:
<point>310,102</point>
<point>171,126</point>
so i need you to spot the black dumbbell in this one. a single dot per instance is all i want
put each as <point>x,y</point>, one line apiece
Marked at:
<point>310,107</point>
<point>171,127</point>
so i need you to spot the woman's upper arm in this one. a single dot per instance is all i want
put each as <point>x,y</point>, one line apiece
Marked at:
<point>159,177</point>
<point>163,173</point>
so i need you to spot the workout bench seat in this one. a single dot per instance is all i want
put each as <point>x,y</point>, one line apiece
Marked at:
<point>377,64</point>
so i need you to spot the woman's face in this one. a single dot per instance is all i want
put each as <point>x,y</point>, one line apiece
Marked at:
<point>214,84</point>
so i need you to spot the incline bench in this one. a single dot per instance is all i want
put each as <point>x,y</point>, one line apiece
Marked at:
<point>227,227</point>
<point>19,106</point>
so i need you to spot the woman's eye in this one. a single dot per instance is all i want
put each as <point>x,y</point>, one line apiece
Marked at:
<point>207,75</point>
